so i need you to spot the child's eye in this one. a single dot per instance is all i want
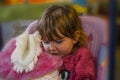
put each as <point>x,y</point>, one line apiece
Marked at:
<point>45,42</point>
<point>59,41</point>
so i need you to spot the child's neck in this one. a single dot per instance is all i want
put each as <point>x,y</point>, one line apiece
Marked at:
<point>74,49</point>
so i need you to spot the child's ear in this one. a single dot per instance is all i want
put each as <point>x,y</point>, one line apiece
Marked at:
<point>76,37</point>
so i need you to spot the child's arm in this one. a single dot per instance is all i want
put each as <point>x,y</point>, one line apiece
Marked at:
<point>85,68</point>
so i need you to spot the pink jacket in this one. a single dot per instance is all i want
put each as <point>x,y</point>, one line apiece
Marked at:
<point>80,65</point>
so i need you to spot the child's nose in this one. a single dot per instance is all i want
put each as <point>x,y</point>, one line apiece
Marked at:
<point>52,47</point>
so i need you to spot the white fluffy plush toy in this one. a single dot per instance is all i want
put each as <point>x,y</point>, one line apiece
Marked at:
<point>26,53</point>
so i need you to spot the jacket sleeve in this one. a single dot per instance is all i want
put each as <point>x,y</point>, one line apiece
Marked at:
<point>5,53</point>
<point>85,67</point>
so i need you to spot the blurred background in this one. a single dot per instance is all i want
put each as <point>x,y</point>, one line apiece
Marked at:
<point>15,16</point>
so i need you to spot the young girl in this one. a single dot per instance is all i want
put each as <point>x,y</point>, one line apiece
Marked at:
<point>62,34</point>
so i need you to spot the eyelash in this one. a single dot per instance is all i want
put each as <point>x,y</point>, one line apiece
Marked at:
<point>57,41</point>
<point>45,42</point>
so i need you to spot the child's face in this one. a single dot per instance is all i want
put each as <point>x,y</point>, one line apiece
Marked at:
<point>61,47</point>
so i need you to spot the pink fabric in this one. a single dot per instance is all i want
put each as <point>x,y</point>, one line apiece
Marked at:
<point>97,31</point>
<point>5,64</point>
<point>32,27</point>
<point>80,64</point>
<point>45,64</point>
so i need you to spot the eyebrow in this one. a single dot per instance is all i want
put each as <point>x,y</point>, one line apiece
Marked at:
<point>55,39</point>
<point>59,38</point>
